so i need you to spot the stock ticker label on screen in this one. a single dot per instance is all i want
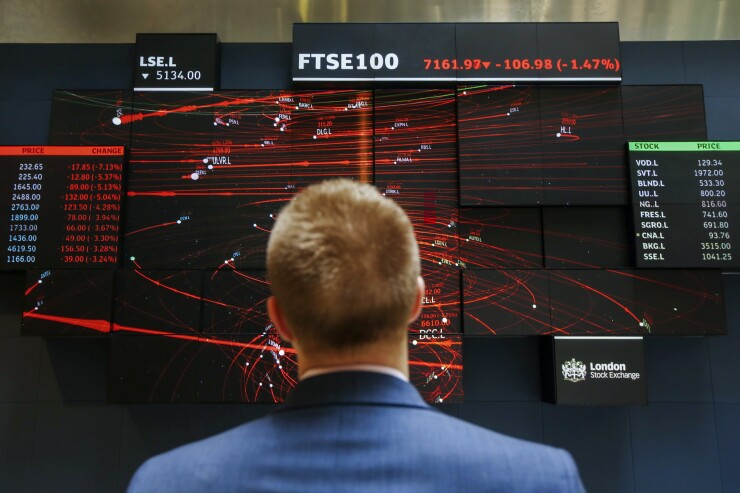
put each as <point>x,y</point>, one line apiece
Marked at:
<point>176,62</point>
<point>60,206</point>
<point>685,203</point>
<point>475,52</point>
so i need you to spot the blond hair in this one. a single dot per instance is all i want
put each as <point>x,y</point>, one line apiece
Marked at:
<point>342,261</point>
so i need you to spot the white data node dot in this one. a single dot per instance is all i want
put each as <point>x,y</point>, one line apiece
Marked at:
<point>465,93</point>
<point>231,259</point>
<point>314,136</point>
<point>133,258</point>
<point>444,320</point>
<point>262,145</point>
<point>205,160</point>
<point>194,176</point>
<point>508,114</point>
<point>296,107</point>
<point>260,384</point>
<point>534,306</point>
<point>280,367</point>
<point>116,121</point>
<point>215,124</point>
<point>270,216</point>
<point>274,124</point>
<point>228,124</point>
<point>226,261</point>
<point>277,119</point>
<point>41,281</point>
<point>282,129</point>
<point>210,166</point>
<point>178,222</point>
<point>270,385</point>
<point>435,377</point>
<point>642,324</point>
<point>281,352</point>
<point>557,134</point>
<point>255,225</point>
<point>414,343</point>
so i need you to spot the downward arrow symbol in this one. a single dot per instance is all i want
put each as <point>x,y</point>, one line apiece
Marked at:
<point>145,75</point>
<point>486,64</point>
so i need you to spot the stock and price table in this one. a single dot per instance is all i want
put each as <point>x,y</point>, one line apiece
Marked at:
<point>686,203</point>
<point>60,206</point>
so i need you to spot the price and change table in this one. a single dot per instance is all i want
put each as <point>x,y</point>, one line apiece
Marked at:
<point>686,203</point>
<point>60,206</point>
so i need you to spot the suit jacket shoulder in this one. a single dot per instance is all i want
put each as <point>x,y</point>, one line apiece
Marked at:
<point>359,432</point>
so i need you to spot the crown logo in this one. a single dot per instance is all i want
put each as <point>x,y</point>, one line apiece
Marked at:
<point>574,371</point>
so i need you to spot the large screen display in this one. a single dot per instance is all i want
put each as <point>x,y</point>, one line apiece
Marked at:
<point>518,196</point>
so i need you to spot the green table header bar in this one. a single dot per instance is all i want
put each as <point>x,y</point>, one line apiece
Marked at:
<point>684,146</point>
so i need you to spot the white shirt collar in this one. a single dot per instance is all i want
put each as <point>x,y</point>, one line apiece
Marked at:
<point>387,370</point>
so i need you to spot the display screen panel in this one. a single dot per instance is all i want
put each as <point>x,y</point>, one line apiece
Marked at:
<point>158,302</point>
<point>586,237</point>
<point>246,368</point>
<point>90,118</point>
<point>593,302</point>
<point>501,238</point>
<point>582,146</point>
<point>235,302</point>
<point>500,148</point>
<point>68,302</point>
<point>506,302</point>
<point>436,367</point>
<point>664,113</point>
<point>680,302</point>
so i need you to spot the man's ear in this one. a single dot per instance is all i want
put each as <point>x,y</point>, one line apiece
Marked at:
<point>276,317</point>
<point>416,308</point>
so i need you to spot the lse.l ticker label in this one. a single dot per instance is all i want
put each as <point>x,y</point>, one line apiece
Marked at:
<point>176,62</point>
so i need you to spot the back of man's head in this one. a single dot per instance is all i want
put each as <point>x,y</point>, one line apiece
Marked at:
<point>343,264</point>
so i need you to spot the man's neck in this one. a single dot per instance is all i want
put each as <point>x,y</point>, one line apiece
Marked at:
<point>385,370</point>
<point>394,356</point>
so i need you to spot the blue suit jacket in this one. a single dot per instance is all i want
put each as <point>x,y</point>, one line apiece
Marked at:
<point>358,432</point>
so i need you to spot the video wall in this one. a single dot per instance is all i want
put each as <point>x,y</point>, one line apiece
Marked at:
<point>519,196</point>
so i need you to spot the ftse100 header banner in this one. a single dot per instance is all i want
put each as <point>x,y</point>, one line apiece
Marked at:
<point>457,53</point>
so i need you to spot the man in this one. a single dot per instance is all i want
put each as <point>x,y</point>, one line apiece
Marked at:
<point>344,269</point>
